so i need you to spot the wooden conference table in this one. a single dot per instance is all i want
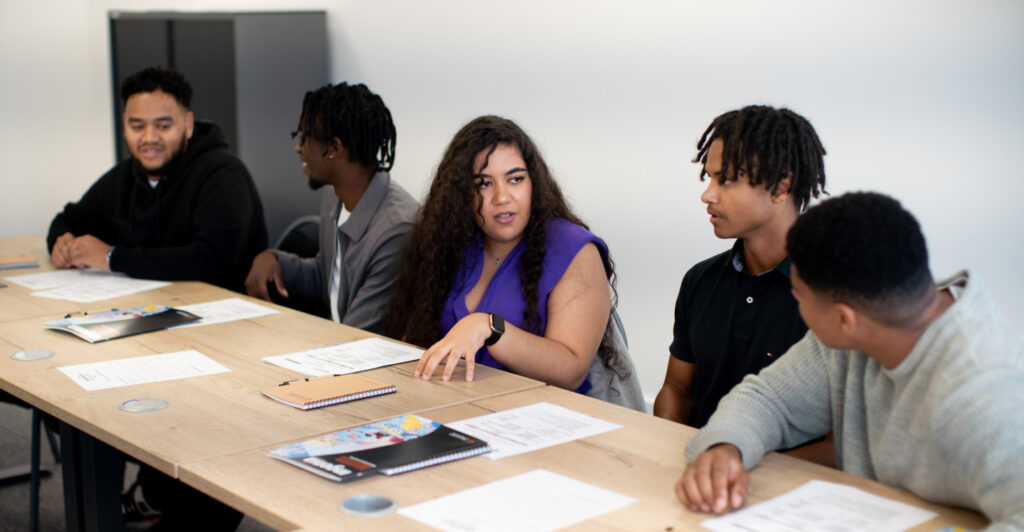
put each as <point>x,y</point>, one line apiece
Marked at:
<point>218,428</point>
<point>207,416</point>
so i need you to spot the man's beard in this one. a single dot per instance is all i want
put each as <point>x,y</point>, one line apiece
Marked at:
<point>316,184</point>
<point>165,168</point>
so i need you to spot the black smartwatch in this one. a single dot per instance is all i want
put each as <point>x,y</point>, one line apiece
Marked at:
<point>497,329</point>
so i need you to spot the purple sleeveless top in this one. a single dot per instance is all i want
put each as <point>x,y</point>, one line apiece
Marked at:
<point>504,295</point>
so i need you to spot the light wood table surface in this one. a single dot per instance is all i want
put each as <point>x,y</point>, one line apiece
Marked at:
<point>209,415</point>
<point>17,302</point>
<point>642,460</point>
<point>222,413</point>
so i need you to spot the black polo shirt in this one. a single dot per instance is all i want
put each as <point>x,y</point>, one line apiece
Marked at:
<point>730,324</point>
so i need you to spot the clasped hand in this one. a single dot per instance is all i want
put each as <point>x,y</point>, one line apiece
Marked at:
<point>462,341</point>
<point>714,481</point>
<point>80,252</point>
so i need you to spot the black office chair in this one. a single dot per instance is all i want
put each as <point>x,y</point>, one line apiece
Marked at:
<point>302,237</point>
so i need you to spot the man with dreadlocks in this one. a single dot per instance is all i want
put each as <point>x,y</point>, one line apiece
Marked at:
<point>345,139</point>
<point>182,207</point>
<point>735,313</point>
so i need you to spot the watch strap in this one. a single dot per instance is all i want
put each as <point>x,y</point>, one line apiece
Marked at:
<point>497,329</point>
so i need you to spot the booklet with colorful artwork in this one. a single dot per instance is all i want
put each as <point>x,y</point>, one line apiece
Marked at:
<point>390,447</point>
<point>120,323</point>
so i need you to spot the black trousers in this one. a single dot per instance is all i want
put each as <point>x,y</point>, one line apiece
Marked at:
<point>183,507</point>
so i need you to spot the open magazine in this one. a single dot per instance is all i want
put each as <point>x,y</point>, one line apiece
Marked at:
<point>120,323</point>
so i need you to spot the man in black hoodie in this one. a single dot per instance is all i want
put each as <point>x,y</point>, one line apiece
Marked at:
<point>182,208</point>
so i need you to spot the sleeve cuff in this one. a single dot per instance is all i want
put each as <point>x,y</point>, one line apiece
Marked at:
<point>750,447</point>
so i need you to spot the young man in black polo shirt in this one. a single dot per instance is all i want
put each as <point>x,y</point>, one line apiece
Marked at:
<point>735,313</point>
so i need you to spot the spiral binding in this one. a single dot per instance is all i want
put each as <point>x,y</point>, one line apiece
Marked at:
<point>397,470</point>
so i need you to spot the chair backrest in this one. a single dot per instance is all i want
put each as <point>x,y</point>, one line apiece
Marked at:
<point>301,237</point>
<point>606,384</point>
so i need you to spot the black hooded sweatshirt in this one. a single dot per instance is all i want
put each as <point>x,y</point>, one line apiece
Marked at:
<point>204,221</point>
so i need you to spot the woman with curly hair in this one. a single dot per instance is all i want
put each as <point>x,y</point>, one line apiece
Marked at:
<point>499,271</point>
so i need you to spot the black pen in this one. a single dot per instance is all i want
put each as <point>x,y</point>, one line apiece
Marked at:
<point>286,383</point>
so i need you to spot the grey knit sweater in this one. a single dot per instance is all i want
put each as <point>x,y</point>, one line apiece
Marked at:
<point>946,424</point>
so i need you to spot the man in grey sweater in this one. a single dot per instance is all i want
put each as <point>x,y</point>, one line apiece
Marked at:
<point>922,384</point>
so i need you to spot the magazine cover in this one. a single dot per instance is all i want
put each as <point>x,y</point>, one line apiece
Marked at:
<point>120,323</point>
<point>379,434</point>
<point>390,447</point>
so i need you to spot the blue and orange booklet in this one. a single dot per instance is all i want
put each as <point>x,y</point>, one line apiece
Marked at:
<point>390,447</point>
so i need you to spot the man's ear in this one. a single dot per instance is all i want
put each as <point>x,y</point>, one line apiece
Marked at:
<point>781,191</point>
<point>335,149</point>
<point>190,123</point>
<point>849,319</point>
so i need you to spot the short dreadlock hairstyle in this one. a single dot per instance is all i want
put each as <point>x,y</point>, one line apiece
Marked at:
<point>864,249</point>
<point>156,78</point>
<point>356,116</point>
<point>771,144</point>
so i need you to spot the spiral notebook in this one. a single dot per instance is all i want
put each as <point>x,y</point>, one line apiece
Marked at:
<point>318,392</point>
<point>390,447</point>
<point>8,262</point>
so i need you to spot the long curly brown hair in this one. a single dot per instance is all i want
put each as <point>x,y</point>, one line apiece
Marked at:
<point>446,227</point>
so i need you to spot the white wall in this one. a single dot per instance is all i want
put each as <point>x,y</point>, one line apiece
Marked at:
<point>918,99</point>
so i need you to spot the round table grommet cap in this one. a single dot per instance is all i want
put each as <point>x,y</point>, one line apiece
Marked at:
<point>32,354</point>
<point>143,404</point>
<point>368,505</point>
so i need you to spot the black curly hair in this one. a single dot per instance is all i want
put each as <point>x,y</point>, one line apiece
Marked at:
<point>866,250</point>
<point>165,79</point>
<point>772,144</point>
<point>356,116</point>
<point>446,227</point>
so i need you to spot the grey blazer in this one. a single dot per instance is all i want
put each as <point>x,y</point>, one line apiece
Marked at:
<point>371,247</point>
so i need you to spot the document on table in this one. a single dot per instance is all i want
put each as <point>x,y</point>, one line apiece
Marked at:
<point>55,279</point>
<point>536,500</point>
<point>844,508</point>
<point>139,370</point>
<point>349,357</point>
<point>84,286</point>
<point>230,309</point>
<point>530,427</point>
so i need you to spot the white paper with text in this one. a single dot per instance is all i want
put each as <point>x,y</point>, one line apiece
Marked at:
<point>349,357</point>
<point>538,501</point>
<point>844,508</point>
<point>140,370</point>
<point>220,311</point>
<point>531,427</point>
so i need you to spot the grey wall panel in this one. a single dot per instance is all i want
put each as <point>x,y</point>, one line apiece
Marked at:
<point>204,51</point>
<point>135,44</point>
<point>279,57</point>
